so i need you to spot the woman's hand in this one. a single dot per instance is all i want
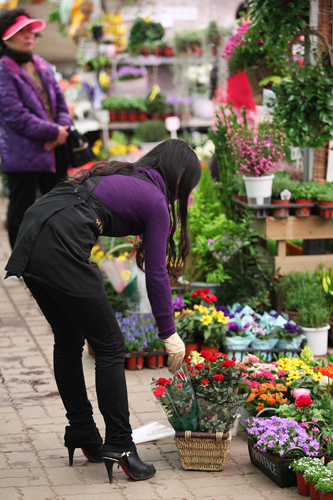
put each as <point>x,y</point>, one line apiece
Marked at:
<point>62,134</point>
<point>175,348</point>
<point>50,145</point>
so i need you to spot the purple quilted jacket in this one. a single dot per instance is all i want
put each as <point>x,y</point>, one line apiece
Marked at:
<point>24,123</point>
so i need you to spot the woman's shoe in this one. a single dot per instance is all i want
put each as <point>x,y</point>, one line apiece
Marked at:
<point>89,441</point>
<point>131,464</point>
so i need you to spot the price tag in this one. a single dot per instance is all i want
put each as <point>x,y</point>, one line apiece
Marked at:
<point>296,154</point>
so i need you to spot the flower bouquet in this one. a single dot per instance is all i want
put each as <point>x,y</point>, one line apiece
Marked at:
<point>215,380</point>
<point>177,400</point>
<point>290,336</point>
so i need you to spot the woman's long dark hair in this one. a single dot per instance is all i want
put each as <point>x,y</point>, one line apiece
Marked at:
<point>180,169</point>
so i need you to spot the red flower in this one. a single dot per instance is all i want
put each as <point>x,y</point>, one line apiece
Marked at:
<point>210,298</point>
<point>218,377</point>
<point>180,384</point>
<point>205,382</point>
<point>211,415</point>
<point>205,354</point>
<point>159,391</point>
<point>228,362</point>
<point>212,358</point>
<point>190,368</point>
<point>233,358</point>
<point>199,366</point>
<point>163,381</point>
<point>219,354</point>
<point>180,375</point>
<point>302,401</point>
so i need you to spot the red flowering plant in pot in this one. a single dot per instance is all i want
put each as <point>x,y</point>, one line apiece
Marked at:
<point>177,400</point>
<point>215,381</point>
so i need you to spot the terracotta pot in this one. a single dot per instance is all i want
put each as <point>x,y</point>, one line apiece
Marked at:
<point>328,213</point>
<point>292,316</point>
<point>304,211</point>
<point>132,116</point>
<point>156,117</point>
<point>314,494</point>
<point>155,360</point>
<point>302,486</point>
<point>168,51</point>
<point>209,349</point>
<point>191,347</point>
<point>326,496</point>
<point>280,212</point>
<point>135,362</point>
<point>146,51</point>
<point>122,115</point>
<point>159,51</point>
<point>142,116</point>
<point>113,115</point>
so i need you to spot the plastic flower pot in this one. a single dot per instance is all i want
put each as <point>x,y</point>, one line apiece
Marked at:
<point>326,496</point>
<point>168,51</point>
<point>113,115</point>
<point>158,51</point>
<point>203,347</point>
<point>259,189</point>
<point>155,359</point>
<point>302,487</point>
<point>326,214</point>
<point>191,347</point>
<point>317,339</point>
<point>314,494</point>
<point>142,116</point>
<point>281,212</point>
<point>303,211</point>
<point>132,116</point>
<point>134,361</point>
<point>122,115</point>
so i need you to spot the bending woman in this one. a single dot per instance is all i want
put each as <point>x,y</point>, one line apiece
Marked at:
<point>52,253</point>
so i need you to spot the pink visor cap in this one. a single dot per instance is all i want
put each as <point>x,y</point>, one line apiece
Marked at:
<point>37,25</point>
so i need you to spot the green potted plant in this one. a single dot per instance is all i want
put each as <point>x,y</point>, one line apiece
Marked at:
<point>325,200</point>
<point>281,193</point>
<point>312,475</point>
<point>213,36</point>
<point>149,133</point>
<point>304,295</point>
<point>303,194</point>
<point>314,320</point>
<point>300,467</point>
<point>324,485</point>
<point>142,33</point>
<point>156,104</point>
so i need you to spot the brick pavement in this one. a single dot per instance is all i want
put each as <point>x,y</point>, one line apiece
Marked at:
<point>33,459</point>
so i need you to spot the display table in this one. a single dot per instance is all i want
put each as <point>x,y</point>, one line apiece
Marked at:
<point>292,228</point>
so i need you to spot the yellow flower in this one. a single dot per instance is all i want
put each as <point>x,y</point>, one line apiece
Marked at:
<point>95,249</point>
<point>132,148</point>
<point>206,320</point>
<point>100,254</point>
<point>104,79</point>
<point>177,313</point>
<point>96,149</point>
<point>154,91</point>
<point>122,258</point>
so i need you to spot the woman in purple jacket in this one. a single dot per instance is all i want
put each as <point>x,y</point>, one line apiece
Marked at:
<point>52,250</point>
<point>34,119</point>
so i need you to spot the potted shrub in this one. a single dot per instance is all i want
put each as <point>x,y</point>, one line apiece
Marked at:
<point>313,319</point>
<point>274,442</point>
<point>156,103</point>
<point>304,296</point>
<point>300,467</point>
<point>149,134</point>
<point>143,33</point>
<point>281,193</point>
<point>303,194</point>
<point>256,153</point>
<point>325,199</point>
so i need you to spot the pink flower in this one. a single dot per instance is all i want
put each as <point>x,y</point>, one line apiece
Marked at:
<point>301,392</point>
<point>315,429</point>
<point>315,420</point>
<point>303,424</point>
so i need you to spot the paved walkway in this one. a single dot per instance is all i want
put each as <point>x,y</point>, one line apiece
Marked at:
<point>33,459</point>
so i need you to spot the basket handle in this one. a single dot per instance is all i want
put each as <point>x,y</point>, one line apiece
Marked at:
<point>308,30</point>
<point>265,409</point>
<point>202,435</point>
<point>292,449</point>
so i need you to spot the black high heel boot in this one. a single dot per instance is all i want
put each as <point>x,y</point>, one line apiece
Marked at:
<point>131,464</point>
<point>89,441</point>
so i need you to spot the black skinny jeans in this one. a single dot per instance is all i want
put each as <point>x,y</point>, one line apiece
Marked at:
<point>74,319</point>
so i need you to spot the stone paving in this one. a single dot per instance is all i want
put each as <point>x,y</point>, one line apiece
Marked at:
<point>33,459</point>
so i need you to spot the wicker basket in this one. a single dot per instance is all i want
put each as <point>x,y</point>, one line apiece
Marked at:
<point>255,75</point>
<point>202,450</point>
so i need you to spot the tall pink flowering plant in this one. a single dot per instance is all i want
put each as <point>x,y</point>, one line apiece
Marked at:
<point>258,151</point>
<point>236,40</point>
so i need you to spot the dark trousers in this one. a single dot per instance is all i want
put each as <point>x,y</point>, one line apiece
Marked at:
<point>24,186</point>
<point>74,319</point>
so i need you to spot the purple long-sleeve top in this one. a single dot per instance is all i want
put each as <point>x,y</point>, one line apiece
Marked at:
<point>141,202</point>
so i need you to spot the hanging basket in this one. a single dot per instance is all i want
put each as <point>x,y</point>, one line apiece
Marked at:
<point>255,75</point>
<point>202,450</point>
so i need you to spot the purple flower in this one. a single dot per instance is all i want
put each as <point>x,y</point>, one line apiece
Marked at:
<point>210,240</point>
<point>292,329</point>
<point>234,329</point>
<point>178,303</point>
<point>225,311</point>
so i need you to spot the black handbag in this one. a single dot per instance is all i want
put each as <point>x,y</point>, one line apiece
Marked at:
<point>80,150</point>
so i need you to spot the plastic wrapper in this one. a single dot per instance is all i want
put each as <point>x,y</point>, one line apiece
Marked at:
<point>216,417</point>
<point>177,400</point>
<point>120,272</point>
<point>151,432</point>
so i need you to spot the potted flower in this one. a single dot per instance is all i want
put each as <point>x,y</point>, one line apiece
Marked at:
<point>135,340</point>
<point>177,400</point>
<point>281,193</point>
<point>272,440</point>
<point>324,485</point>
<point>290,336</point>
<point>313,320</point>
<point>267,395</point>
<point>264,337</point>
<point>155,345</point>
<point>303,194</point>
<point>235,338</point>
<point>256,153</point>
<point>215,381</point>
<point>130,80</point>
<point>199,79</point>
<point>312,475</point>
<point>325,199</point>
<point>300,467</point>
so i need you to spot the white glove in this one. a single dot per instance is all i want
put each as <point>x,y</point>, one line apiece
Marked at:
<point>175,348</point>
